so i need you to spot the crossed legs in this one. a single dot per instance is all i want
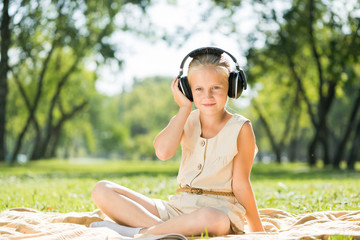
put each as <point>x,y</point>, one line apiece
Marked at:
<point>127,207</point>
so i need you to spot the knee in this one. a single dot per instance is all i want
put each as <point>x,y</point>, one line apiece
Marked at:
<point>216,221</point>
<point>99,191</point>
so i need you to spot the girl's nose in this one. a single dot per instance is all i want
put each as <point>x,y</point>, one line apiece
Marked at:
<point>209,93</point>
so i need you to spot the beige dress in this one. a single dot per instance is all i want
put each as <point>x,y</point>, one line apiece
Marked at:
<point>206,164</point>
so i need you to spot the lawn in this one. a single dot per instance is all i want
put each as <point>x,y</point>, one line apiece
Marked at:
<point>64,186</point>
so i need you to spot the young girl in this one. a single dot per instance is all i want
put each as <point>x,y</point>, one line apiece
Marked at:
<point>218,149</point>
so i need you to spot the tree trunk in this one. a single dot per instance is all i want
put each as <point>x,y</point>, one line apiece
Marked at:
<point>4,68</point>
<point>341,147</point>
<point>312,150</point>
<point>271,137</point>
<point>354,152</point>
<point>37,141</point>
<point>56,131</point>
<point>313,144</point>
<point>325,144</point>
<point>294,140</point>
<point>322,108</point>
<point>55,142</point>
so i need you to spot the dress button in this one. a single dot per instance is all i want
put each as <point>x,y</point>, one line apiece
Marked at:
<point>202,143</point>
<point>199,166</point>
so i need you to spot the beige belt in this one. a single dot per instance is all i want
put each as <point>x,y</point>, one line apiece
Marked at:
<point>203,191</point>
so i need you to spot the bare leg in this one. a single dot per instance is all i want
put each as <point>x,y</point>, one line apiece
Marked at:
<point>119,202</point>
<point>215,221</point>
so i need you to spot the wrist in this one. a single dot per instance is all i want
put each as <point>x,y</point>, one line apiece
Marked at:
<point>186,109</point>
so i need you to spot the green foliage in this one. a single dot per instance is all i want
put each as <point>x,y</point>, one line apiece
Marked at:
<point>55,49</point>
<point>109,134</point>
<point>309,48</point>
<point>76,37</point>
<point>125,125</point>
<point>146,110</point>
<point>69,97</point>
<point>228,3</point>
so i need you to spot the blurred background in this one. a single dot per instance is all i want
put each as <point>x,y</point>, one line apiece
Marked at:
<point>91,79</point>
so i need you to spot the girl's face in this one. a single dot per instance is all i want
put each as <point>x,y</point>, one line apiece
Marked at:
<point>209,89</point>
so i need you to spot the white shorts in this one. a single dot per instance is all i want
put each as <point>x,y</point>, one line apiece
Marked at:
<point>186,203</point>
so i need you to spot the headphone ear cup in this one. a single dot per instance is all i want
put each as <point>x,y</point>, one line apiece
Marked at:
<point>233,78</point>
<point>243,79</point>
<point>184,87</point>
<point>237,83</point>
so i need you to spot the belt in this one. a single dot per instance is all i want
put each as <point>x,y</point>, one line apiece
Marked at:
<point>203,191</point>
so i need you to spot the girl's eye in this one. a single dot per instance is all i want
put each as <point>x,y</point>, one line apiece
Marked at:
<point>216,87</point>
<point>197,89</point>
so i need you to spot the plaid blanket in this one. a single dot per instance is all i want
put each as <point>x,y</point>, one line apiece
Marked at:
<point>25,223</point>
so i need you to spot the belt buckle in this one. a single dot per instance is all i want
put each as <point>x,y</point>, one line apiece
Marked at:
<point>197,191</point>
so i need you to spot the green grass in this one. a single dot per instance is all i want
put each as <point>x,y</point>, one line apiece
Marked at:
<point>340,237</point>
<point>298,189</point>
<point>64,186</point>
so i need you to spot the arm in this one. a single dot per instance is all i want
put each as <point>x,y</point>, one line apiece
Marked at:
<point>241,177</point>
<point>168,140</point>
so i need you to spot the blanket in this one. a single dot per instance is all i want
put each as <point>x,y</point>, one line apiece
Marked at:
<point>26,223</point>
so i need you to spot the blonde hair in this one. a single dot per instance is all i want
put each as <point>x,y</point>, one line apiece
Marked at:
<point>219,62</point>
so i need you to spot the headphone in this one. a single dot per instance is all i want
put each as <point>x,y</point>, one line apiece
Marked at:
<point>237,79</point>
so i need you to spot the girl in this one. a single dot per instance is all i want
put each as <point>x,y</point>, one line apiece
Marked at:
<point>218,149</point>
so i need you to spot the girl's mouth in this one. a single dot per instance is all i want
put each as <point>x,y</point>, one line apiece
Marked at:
<point>208,104</point>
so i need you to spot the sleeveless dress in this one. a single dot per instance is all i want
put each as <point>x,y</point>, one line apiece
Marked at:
<point>206,164</point>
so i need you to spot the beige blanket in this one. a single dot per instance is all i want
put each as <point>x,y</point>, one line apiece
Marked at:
<point>25,223</point>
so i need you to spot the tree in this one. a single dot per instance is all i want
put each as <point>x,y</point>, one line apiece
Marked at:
<point>4,68</point>
<point>53,43</point>
<point>316,45</point>
<point>322,34</point>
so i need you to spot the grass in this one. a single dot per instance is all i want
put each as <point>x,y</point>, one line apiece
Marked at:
<point>64,186</point>
<point>298,189</point>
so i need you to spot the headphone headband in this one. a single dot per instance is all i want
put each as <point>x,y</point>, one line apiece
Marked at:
<point>237,79</point>
<point>206,50</point>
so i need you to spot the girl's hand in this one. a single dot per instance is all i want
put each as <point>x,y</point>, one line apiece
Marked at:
<point>179,97</point>
<point>168,140</point>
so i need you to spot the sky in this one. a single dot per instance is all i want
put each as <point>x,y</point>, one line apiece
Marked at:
<point>144,58</point>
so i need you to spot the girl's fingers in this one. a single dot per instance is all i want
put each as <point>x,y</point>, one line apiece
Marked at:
<point>179,97</point>
<point>174,83</point>
<point>174,86</point>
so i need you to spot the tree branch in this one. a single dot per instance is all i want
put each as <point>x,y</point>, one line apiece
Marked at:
<point>294,73</point>
<point>315,52</point>
<point>268,131</point>
<point>302,90</point>
<point>36,102</point>
<point>22,90</point>
<point>289,118</point>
